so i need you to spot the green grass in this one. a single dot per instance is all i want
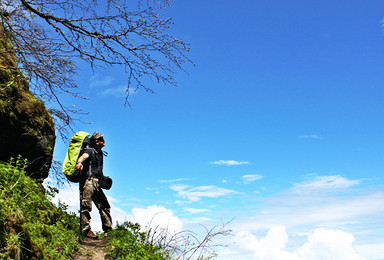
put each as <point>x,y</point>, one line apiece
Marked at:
<point>31,226</point>
<point>126,241</point>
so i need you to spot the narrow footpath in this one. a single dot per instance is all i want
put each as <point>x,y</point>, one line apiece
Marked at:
<point>91,249</point>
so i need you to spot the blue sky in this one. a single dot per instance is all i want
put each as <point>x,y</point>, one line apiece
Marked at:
<point>278,127</point>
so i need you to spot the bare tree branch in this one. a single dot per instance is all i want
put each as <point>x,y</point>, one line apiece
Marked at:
<point>49,36</point>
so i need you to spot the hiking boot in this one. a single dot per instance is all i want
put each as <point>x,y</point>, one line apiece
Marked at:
<point>90,234</point>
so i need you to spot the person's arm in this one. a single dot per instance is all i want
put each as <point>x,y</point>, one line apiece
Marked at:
<point>82,158</point>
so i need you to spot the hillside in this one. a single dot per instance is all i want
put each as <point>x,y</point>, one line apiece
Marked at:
<point>31,226</point>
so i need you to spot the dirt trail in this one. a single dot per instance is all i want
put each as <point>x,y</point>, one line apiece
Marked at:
<point>91,249</point>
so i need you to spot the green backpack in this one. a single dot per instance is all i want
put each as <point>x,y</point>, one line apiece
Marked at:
<point>78,143</point>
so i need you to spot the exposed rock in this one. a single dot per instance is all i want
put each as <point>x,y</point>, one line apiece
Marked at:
<point>26,127</point>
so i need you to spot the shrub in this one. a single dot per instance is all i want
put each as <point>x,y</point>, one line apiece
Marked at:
<point>126,241</point>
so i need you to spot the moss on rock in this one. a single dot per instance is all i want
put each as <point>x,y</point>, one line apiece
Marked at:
<point>27,128</point>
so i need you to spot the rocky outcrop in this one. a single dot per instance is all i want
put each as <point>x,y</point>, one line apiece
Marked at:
<point>26,127</point>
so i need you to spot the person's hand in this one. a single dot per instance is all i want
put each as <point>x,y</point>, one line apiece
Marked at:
<point>79,166</point>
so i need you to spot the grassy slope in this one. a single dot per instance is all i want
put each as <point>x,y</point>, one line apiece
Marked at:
<point>30,225</point>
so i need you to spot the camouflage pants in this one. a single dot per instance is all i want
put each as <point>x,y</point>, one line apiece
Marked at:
<point>91,191</point>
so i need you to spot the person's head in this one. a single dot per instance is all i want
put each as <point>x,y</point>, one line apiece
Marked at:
<point>97,140</point>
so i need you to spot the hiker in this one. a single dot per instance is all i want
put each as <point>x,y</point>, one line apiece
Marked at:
<point>91,164</point>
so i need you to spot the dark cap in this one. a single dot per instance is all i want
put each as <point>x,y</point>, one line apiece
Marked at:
<point>97,136</point>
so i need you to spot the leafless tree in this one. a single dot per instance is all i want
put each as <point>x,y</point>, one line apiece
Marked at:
<point>49,36</point>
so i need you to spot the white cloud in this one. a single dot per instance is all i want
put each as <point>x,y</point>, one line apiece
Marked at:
<point>195,194</point>
<point>325,183</point>
<point>272,247</point>
<point>176,180</point>
<point>99,81</point>
<point>203,221</point>
<point>251,178</point>
<point>179,187</point>
<point>157,217</point>
<point>371,251</point>
<point>69,196</point>
<point>196,211</point>
<point>329,244</point>
<point>152,217</point>
<point>302,212</point>
<point>118,216</point>
<point>115,91</point>
<point>321,244</point>
<point>229,162</point>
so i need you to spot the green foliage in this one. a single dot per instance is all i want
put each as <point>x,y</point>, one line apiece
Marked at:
<point>31,226</point>
<point>127,242</point>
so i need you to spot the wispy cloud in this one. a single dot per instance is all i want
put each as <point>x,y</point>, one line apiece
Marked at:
<point>325,183</point>
<point>251,178</point>
<point>324,201</point>
<point>119,91</point>
<point>310,137</point>
<point>196,211</point>
<point>99,81</point>
<point>229,162</point>
<point>195,194</point>
<point>175,180</point>
<point>179,187</point>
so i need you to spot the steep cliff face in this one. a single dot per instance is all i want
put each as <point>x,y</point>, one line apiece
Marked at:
<point>26,127</point>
